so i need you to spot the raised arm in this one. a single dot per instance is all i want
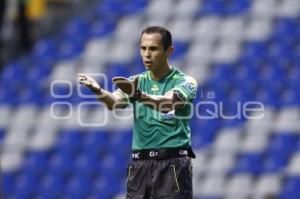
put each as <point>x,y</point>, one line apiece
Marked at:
<point>112,100</point>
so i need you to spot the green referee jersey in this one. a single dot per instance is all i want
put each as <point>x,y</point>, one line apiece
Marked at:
<point>153,129</point>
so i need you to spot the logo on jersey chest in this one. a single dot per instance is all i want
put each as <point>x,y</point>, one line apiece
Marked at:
<point>154,88</point>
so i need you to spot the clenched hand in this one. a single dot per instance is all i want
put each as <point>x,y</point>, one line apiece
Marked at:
<point>127,86</point>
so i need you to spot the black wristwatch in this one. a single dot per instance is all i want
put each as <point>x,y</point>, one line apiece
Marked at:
<point>138,94</point>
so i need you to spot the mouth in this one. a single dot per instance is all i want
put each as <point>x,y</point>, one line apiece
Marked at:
<point>148,63</point>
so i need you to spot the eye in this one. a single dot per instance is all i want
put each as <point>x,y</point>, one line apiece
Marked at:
<point>143,48</point>
<point>153,48</point>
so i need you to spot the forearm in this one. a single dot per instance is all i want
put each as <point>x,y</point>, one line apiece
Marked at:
<point>110,99</point>
<point>161,103</point>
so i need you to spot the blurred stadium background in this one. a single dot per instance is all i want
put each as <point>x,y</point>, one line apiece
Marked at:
<point>241,50</point>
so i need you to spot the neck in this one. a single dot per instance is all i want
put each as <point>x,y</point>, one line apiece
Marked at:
<point>160,72</point>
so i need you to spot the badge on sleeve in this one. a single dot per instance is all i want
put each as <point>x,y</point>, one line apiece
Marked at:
<point>190,83</point>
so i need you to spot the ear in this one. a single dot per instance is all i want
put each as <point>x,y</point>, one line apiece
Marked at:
<point>170,50</point>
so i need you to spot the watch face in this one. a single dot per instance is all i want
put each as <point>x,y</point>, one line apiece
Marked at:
<point>138,93</point>
<point>179,96</point>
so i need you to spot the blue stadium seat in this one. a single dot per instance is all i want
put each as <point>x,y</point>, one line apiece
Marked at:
<point>254,50</point>
<point>77,188</point>
<point>245,73</point>
<point>77,27</point>
<point>101,187</point>
<point>52,186</point>
<point>236,7</point>
<point>221,72</point>
<point>96,142</point>
<point>111,9</point>
<point>36,163</point>
<point>180,49</point>
<point>7,96</point>
<point>210,8</point>
<point>45,51</point>
<point>8,182</point>
<point>37,74</point>
<point>250,163</point>
<point>123,140</point>
<point>12,72</point>
<point>204,132</point>
<point>2,134</point>
<point>61,164</point>
<point>285,26</point>
<point>290,97</point>
<point>70,141</point>
<point>110,162</point>
<point>283,143</point>
<point>25,186</point>
<point>296,53</point>
<point>87,164</point>
<point>61,90</point>
<point>101,28</point>
<point>70,48</point>
<point>278,53</point>
<point>271,73</point>
<point>30,96</point>
<point>292,74</point>
<point>275,162</point>
<point>135,6</point>
<point>117,69</point>
<point>267,97</point>
<point>291,188</point>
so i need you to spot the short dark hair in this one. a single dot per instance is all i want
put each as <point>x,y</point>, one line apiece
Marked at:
<point>166,37</point>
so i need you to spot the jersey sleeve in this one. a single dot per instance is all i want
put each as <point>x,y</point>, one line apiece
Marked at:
<point>187,87</point>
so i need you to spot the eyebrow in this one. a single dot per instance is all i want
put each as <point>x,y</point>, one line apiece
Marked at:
<point>152,45</point>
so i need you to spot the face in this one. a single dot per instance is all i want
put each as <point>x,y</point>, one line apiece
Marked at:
<point>152,51</point>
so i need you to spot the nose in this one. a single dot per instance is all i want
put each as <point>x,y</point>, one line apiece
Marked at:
<point>147,53</point>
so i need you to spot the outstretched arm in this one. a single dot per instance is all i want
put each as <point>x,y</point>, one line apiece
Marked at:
<point>162,103</point>
<point>112,100</point>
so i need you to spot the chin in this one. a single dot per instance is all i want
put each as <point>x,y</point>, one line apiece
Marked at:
<point>148,68</point>
<point>151,68</point>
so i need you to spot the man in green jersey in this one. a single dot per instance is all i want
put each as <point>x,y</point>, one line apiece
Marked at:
<point>161,98</point>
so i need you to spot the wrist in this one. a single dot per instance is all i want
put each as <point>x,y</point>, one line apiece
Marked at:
<point>138,94</point>
<point>97,91</point>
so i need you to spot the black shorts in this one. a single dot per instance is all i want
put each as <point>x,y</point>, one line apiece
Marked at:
<point>160,179</point>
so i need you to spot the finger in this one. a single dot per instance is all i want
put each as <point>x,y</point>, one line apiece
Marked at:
<point>82,81</point>
<point>86,83</point>
<point>118,78</point>
<point>122,82</point>
<point>115,80</point>
<point>81,75</point>
<point>81,78</point>
<point>84,76</point>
